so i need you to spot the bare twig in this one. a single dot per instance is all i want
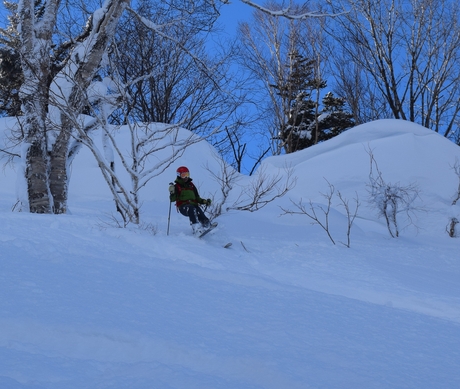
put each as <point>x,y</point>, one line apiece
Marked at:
<point>323,222</point>
<point>456,169</point>
<point>312,214</point>
<point>226,179</point>
<point>351,215</point>
<point>242,244</point>
<point>264,189</point>
<point>390,199</point>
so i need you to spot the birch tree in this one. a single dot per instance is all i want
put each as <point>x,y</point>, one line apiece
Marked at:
<point>408,53</point>
<point>47,138</point>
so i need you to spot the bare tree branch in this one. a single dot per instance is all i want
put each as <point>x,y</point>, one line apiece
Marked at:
<point>264,189</point>
<point>289,12</point>
<point>391,199</point>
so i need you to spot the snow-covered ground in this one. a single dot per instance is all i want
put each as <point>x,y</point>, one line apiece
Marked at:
<point>86,305</point>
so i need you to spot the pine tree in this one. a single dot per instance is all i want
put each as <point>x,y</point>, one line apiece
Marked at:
<point>333,119</point>
<point>305,123</point>
<point>11,76</point>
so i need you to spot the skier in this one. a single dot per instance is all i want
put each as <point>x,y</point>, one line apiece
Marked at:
<point>187,199</point>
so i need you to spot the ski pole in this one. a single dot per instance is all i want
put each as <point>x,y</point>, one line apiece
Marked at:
<point>169,213</point>
<point>169,217</point>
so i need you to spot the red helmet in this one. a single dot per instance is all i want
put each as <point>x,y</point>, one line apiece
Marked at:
<point>182,170</point>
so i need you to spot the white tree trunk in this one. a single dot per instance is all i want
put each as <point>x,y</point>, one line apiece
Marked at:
<point>35,36</point>
<point>79,73</point>
<point>46,165</point>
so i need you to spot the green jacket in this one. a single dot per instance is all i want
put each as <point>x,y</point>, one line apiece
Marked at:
<point>185,193</point>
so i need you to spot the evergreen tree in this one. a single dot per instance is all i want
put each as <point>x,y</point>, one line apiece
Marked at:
<point>11,79</point>
<point>11,76</point>
<point>334,119</point>
<point>306,124</point>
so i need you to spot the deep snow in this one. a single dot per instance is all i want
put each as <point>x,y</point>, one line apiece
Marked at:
<point>88,305</point>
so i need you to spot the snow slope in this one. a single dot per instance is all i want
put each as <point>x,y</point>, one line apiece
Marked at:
<point>87,305</point>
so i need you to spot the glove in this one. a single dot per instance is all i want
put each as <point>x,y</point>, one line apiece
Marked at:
<point>172,189</point>
<point>208,202</point>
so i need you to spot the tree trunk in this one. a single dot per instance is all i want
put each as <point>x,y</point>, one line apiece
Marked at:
<point>35,34</point>
<point>81,77</point>
<point>46,175</point>
<point>58,178</point>
<point>36,159</point>
<point>36,176</point>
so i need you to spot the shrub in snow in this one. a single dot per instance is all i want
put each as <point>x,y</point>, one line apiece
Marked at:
<point>391,199</point>
<point>322,218</point>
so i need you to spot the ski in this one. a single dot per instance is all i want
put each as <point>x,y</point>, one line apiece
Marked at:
<point>211,227</point>
<point>226,246</point>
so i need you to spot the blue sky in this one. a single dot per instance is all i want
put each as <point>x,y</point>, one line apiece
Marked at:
<point>3,14</point>
<point>233,13</point>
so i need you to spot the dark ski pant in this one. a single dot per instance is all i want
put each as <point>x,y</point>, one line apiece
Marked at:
<point>194,213</point>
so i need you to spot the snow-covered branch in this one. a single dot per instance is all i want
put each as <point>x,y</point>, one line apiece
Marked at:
<point>288,12</point>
